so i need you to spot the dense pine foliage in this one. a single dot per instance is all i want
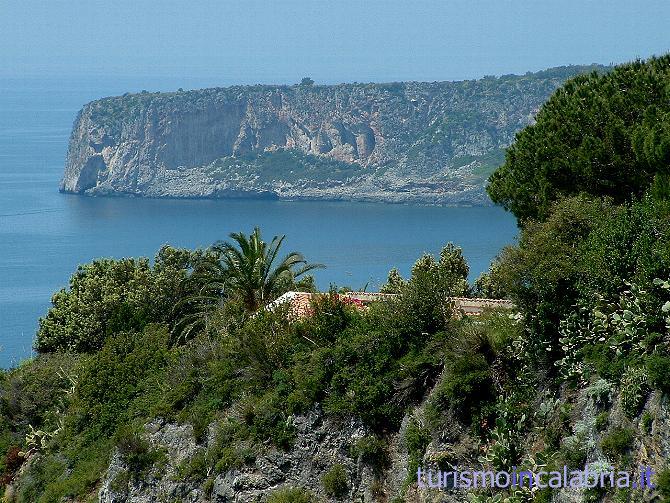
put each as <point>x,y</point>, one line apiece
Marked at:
<point>605,134</point>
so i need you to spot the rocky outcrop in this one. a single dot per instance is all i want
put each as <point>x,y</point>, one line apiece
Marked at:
<point>403,142</point>
<point>322,441</point>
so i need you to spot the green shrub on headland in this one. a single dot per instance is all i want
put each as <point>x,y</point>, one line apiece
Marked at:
<point>603,134</point>
<point>110,296</point>
<point>372,365</point>
<point>571,375</point>
<point>335,481</point>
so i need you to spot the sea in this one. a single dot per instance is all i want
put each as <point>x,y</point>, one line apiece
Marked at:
<point>45,235</point>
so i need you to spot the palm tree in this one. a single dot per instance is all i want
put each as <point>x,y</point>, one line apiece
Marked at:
<point>244,269</point>
<point>206,284</point>
<point>252,271</point>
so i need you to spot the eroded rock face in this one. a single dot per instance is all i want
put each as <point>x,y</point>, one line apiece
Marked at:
<point>160,484</point>
<point>322,441</point>
<point>320,444</point>
<point>405,142</point>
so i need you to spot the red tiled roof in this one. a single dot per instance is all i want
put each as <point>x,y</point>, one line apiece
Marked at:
<point>475,307</point>
<point>301,302</point>
<point>367,297</point>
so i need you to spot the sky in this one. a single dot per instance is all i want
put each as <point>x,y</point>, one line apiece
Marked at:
<point>280,41</point>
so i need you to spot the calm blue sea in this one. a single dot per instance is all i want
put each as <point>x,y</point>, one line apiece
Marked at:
<point>44,235</point>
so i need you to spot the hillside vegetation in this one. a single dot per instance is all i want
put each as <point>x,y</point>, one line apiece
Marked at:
<point>603,134</point>
<point>170,382</point>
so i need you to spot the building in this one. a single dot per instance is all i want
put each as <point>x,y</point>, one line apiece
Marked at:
<point>475,307</point>
<point>301,302</point>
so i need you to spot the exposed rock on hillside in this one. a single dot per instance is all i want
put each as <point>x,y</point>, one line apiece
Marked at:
<point>322,442</point>
<point>402,142</point>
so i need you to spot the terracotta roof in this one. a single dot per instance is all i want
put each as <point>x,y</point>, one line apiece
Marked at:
<point>301,302</point>
<point>367,297</point>
<point>475,307</point>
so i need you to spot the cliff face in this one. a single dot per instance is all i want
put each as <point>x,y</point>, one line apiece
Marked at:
<point>322,442</point>
<point>401,142</point>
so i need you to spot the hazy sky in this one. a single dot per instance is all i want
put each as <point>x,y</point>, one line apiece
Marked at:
<point>249,41</point>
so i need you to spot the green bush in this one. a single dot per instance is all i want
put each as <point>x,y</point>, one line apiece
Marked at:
<point>417,439</point>
<point>556,426</point>
<point>542,273</point>
<point>602,420</point>
<point>311,373</point>
<point>658,371</point>
<point>371,450</point>
<point>552,434</point>
<point>267,420</point>
<point>617,442</point>
<point>662,483</point>
<point>109,296</point>
<point>42,479</point>
<point>465,387</point>
<point>383,362</point>
<point>218,458</point>
<point>72,473</point>
<point>230,449</point>
<point>119,484</point>
<point>646,422</point>
<point>195,384</point>
<point>489,284</point>
<point>603,134</point>
<point>234,457</point>
<point>634,389</point>
<point>31,392</point>
<point>631,243</point>
<point>115,376</point>
<point>603,259</point>
<point>335,481</point>
<point>136,452</point>
<point>195,468</point>
<point>331,315</point>
<point>573,455</point>
<point>422,306</point>
<point>600,392</point>
<point>291,495</point>
<point>599,356</point>
<point>267,343</point>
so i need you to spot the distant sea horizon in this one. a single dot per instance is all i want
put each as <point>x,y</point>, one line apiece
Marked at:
<point>45,235</point>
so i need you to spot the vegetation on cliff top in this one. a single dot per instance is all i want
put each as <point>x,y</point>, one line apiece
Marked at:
<point>289,165</point>
<point>579,373</point>
<point>408,141</point>
<point>603,134</point>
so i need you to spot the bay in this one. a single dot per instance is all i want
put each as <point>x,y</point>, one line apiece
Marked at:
<point>44,235</point>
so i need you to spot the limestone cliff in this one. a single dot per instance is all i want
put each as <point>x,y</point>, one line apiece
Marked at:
<point>402,142</point>
<point>322,441</point>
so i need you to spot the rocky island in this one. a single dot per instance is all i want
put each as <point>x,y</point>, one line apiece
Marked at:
<point>413,142</point>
